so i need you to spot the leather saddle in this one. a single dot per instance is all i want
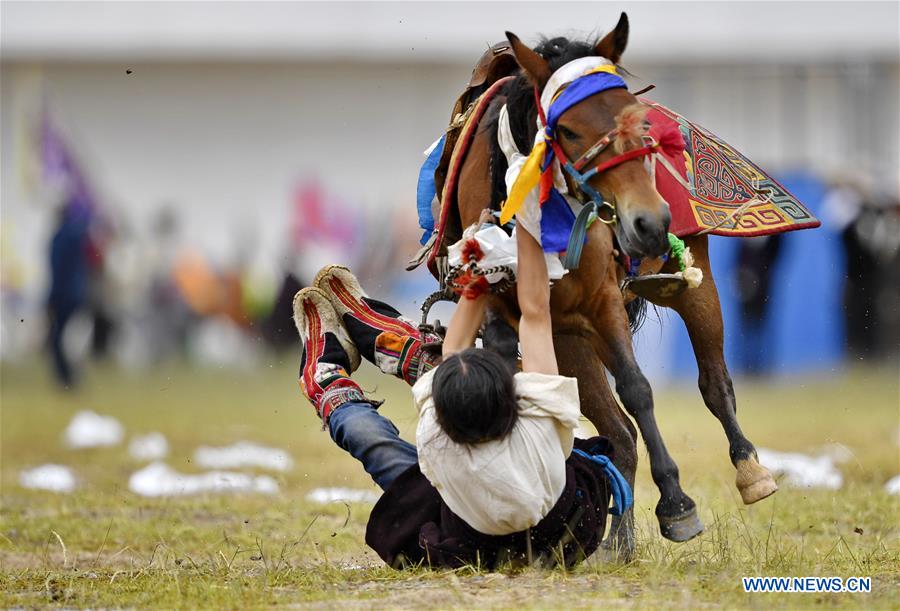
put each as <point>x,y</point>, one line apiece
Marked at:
<point>495,63</point>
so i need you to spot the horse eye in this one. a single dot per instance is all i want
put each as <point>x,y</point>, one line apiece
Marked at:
<point>567,133</point>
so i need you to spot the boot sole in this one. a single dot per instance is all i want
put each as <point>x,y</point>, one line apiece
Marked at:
<point>340,332</point>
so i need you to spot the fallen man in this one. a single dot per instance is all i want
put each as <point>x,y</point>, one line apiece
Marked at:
<point>497,476</point>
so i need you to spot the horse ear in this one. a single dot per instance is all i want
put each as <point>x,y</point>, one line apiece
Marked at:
<point>613,44</point>
<point>535,66</point>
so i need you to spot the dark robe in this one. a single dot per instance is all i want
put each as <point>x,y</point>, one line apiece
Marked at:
<point>410,524</point>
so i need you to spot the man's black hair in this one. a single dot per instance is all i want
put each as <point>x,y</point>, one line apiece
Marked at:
<point>475,396</point>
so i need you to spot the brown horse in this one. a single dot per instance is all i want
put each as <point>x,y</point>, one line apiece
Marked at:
<point>591,323</point>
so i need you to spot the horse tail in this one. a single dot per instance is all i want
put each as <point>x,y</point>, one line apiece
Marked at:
<point>637,313</point>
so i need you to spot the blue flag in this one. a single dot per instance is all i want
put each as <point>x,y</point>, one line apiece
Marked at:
<point>426,190</point>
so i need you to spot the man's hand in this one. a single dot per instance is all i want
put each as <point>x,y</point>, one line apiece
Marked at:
<point>487,217</point>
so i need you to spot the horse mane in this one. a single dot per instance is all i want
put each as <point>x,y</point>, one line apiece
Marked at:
<point>522,109</point>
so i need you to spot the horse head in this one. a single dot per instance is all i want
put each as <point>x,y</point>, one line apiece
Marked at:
<point>598,132</point>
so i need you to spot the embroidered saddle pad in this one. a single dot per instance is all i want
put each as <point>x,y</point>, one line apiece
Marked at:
<point>721,180</point>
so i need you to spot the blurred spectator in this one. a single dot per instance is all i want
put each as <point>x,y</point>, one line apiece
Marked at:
<point>277,328</point>
<point>99,297</point>
<point>869,227</point>
<point>169,317</point>
<point>68,284</point>
<point>756,260</point>
<point>13,303</point>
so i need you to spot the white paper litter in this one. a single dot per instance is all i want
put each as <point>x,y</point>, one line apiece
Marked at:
<point>243,454</point>
<point>159,479</point>
<point>838,452</point>
<point>56,478</point>
<point>893,485</point>
<point>351,495</point>
<point>151,446</point>
<point>90,430</point>
<point>801,470</point>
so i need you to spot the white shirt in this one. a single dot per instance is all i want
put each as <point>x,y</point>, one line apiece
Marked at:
<point>503,486</point>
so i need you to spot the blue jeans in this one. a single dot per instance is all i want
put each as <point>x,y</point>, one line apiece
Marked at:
<point>373,440</point>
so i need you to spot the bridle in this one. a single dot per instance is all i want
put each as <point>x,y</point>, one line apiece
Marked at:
<point>581,178</point>
<point>594,206</point>
<point>533,177</point>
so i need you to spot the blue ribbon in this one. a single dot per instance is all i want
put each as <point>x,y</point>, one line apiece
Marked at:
<point>557,220</point>
<point>622,497</point>
<point>426,190</point>
<point>579,90</point>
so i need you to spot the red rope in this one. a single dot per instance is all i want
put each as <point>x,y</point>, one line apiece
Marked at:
<point>619,159</point>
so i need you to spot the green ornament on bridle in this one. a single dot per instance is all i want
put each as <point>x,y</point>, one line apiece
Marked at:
<point>676,249</point>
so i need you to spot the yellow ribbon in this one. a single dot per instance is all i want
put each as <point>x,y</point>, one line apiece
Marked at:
<point>530,175</point>
<point>604,68</point>
<point>528,179</point>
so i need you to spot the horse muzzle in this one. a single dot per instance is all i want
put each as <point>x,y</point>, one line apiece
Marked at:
<point>642,234</point>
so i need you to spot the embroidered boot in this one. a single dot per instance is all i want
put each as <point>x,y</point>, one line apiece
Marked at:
<point>384,337</point>
<point>328,354</point>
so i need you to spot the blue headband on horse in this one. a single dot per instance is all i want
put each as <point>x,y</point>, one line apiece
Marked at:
<point>537,168</point>
<point>557,218</point>
<point>579,90</point>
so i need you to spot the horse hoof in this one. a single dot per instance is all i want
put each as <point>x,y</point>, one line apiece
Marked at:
<point>681,528</point>
<point>754,481</point>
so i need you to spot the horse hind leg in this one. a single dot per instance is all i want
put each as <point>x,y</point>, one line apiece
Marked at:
<point>577,358</point>
<point>702,315</point>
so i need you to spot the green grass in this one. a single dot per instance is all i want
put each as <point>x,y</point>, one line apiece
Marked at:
<point>103,546</point>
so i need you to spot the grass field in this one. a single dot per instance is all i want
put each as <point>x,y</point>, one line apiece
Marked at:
<point>103,546</point>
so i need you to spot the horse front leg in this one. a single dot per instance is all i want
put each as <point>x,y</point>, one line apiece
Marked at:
<point>577,358</point>
<point>676,511</point>
<point>702,315</point>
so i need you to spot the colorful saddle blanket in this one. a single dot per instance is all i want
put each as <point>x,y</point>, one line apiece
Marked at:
<point>722,180</point>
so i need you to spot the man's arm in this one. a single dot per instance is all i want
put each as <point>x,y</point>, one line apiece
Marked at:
<point>464,325</point>
<point>535,329</point>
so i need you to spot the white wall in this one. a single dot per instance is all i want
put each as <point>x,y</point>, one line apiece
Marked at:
<point>669,31</point>
<point>226,142</point>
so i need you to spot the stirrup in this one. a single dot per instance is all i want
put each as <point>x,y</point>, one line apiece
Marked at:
<point>422,253</point>
<point>655,286</point>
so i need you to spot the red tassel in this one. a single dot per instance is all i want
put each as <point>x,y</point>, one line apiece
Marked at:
<point>471,251</point>
<point>469,285</point>
<point>462,281</point>
<point>477,288</point>
<point>671,142</point>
